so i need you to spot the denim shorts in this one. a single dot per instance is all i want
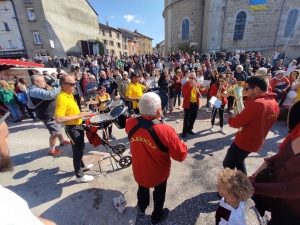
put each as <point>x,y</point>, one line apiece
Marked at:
<point>53,127</point>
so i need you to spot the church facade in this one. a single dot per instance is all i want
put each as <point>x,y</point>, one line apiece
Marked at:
<point>214,25</point>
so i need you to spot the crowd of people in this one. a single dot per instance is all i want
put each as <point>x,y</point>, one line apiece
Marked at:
<point>58,98</point>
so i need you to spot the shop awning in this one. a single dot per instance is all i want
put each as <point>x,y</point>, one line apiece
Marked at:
<point>11,63</point>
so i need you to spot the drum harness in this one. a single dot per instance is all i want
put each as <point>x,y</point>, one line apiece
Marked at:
<point>148,125</point>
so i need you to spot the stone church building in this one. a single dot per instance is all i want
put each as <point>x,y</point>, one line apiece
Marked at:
<point>214,25</point>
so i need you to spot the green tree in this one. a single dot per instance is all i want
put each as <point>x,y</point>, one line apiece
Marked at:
<point>185,47</point>
<point>101,48</point>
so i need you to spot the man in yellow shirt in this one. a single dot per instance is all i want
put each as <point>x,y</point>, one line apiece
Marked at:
<point>68,113</point>
<point>135,91</point>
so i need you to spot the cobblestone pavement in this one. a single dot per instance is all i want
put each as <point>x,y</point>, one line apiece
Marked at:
<point>48,184</point>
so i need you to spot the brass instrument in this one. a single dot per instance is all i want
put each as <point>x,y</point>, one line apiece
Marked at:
<point>237,92</point>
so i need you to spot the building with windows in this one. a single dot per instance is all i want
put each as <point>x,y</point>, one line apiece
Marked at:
<point>11,42</point>
<point>137,43</point>
<point>112,40</point>
<point>230,24</point>
<point>57,28</point>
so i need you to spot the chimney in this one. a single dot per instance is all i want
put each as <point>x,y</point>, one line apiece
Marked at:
<point>106,23</point>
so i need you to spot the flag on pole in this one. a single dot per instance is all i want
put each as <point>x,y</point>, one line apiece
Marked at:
<point>258,5</point>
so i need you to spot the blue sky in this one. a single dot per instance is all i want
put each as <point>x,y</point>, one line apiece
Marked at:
<point>143,15</point>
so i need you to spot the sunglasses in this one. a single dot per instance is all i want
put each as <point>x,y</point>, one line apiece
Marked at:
<point>71,84</point>
<point>192,78</point>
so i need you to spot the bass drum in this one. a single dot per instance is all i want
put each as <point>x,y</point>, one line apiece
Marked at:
<point>119,115</point>
<point>162,94</point>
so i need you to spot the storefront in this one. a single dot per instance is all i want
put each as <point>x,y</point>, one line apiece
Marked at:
<point>17,54</point>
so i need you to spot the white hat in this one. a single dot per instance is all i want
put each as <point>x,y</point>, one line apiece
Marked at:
<point>279,71</point>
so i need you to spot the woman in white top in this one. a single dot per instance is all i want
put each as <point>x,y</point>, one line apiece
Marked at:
<point>199,76</point>
<point>154,78</point>
<point>292,94</point>
<point>148,82</point>
<point>185,79</point>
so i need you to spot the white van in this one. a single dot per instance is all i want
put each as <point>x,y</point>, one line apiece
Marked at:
<point>25,73</point>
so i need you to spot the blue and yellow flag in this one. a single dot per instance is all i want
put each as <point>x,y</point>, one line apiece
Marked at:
<point>258,5</point>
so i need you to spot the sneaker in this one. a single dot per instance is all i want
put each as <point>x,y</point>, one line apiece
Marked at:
<point>55,152</point>
<point>84,179</point>
<point>222,131</point>
<point>207,110</point>
<point>65,143</point>
<point>35,120</point>
<point>112,137</point>
<point>191,132</point>
<point>183,135</point>
<point>88,167</point>
<point>212,129</point>
<point>164,216</point>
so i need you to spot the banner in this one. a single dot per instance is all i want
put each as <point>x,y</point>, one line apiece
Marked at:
<point>258,5</point>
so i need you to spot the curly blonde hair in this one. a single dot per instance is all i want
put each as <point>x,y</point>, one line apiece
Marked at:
<point>237,183</point>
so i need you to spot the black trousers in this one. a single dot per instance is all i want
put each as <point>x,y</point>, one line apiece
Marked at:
<point>159,195</point>
<point>235,158</point>
<point>230,102</point>
<point>77,99</point>
<point>221,115</point>
<point>136,111</point>
<point>76,135</point>
<point>207,98</point>
<point>190,116</point>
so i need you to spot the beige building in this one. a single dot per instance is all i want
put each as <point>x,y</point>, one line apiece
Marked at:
<point>111,39</point>
<point>144,43</point>
<point>57,27</point>
<point>229,24</point>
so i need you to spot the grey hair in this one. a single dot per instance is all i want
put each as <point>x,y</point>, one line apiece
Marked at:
<point>92,77</point>
<point>261,71</point>
<point>192,74</point>
<point>149,104</point>
<point>241,67</point>
<point>102,72</point>
<point>36,77</point>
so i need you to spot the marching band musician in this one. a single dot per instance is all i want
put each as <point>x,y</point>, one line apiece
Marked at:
<point>68,113</point>
<point>256,119</point>
<point>218,90</point>
<point>102,98</point>
<point>191,104</point>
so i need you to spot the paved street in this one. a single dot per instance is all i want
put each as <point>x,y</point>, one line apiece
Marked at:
<point>48,184</point>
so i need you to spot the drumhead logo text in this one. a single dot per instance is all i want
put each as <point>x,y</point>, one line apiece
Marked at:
<point>140,139</point>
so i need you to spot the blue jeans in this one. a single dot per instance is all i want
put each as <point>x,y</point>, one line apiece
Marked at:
<point>128,104</point>
<point>177,94</point>
<point>14,111</point>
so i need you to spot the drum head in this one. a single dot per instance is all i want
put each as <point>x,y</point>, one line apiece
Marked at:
<point>162,94</point>
<point>107,104</point>
<point>99,118</point>
<point>116,112</point>
<point>293,117</point>
<point>116,103</point>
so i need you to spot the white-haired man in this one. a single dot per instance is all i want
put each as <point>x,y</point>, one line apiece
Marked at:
<point>14,209</point>
<point>152,145</point>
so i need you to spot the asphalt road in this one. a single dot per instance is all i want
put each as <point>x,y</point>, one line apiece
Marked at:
<point>48,184</point>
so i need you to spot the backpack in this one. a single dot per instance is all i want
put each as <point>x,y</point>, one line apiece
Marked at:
<point>29,102</point>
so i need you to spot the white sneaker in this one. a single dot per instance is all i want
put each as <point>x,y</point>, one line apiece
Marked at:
<point>212,129</point>
<point>85,179</point>
<point>207,110</point>
<point>222,131</point>
<point>88,167</point>
<point>180,108</point>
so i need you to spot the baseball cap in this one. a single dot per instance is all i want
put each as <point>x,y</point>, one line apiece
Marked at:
<point>279,71</point>
<point>135,75</point>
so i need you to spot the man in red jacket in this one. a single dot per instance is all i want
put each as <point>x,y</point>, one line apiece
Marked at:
<point>152,145</point>
<point>191,103</point>
<point>257,118</point>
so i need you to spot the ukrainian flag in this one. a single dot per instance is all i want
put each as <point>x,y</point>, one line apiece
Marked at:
<point>258,5</point>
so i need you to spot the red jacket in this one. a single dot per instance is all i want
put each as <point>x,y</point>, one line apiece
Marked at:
<point>186,91</point>
<point>214,91</point>
<point>177,86</point>
<point>257,118</point>
<point>151,166</point>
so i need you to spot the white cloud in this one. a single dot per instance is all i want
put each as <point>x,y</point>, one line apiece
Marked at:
<point>129,18</point>
<point>139,21</point>
<point>112,17</point>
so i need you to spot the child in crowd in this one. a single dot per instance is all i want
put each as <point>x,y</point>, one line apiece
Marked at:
<point>102,97</point>
<point>235,188</point>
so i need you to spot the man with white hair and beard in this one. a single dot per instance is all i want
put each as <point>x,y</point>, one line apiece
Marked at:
<point>152,146</point>
<point>14,210</point>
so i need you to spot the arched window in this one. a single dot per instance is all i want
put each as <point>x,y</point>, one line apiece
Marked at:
<point>291,23</point>
<point>239,26</point>
<point>185,29</point>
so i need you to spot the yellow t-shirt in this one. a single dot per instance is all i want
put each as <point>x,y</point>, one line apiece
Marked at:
<point>66,106</point>
<point>135,91</point>
<point>193,95</point>
<point>105,97</point>
<point>298,96</point>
